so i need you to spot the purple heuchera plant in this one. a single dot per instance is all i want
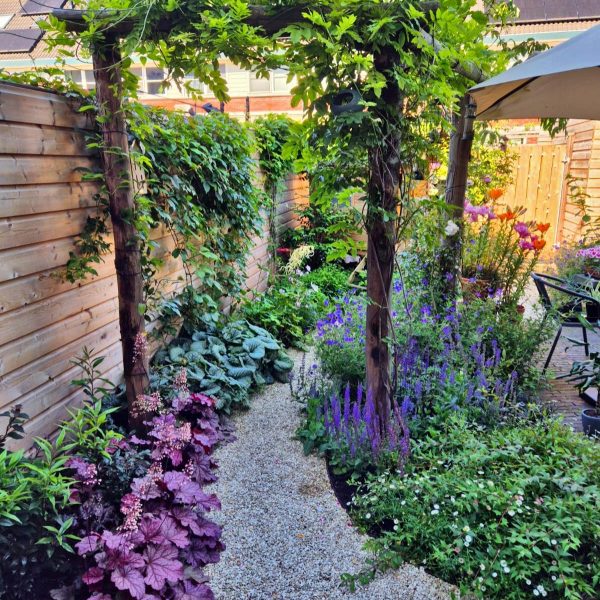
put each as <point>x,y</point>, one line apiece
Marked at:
<point>165,538</point>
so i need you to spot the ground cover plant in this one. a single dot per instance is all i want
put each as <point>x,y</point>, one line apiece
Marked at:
<point>504,513</point>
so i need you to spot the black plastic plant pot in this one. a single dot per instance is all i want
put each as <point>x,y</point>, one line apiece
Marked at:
<point>590,419</point>
<point>592,311</point>
<point>346,101</point>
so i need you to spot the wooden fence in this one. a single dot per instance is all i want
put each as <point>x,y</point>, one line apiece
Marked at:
<point>44,320</point>
<point>541,178</point>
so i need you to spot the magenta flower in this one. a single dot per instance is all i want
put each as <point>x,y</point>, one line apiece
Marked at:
<point>522,229</point>
<point>525,244</point>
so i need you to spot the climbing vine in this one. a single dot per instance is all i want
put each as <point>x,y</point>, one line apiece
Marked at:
<point>271,134</point>
<point>199,179</point>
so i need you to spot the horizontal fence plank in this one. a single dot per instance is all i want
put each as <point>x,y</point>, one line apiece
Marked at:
<point>54,391</point>
<point>46,423</point>
<point>48,367</point>
<point>21,104</point>
<point>21,231</point>
<point>31,200</point>
<point>27,349</point>
<point>28,319</point>
<point>30,170</point>
<point>17,138</point>
<point>25,291</point>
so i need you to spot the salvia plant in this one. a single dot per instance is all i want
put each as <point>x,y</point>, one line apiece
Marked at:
<point>359,434</point>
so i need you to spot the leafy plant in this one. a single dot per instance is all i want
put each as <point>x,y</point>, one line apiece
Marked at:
<point>506,513</point>
<point>287,309</point>
<point>14,426</point>
<point>224,362</point>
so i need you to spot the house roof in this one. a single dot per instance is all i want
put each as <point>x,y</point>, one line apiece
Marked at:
<point>536,11</point>
<point>22,26</point>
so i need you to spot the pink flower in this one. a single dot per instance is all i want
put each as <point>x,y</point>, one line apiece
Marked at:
<point>522,229</point>
<point>525,244</point>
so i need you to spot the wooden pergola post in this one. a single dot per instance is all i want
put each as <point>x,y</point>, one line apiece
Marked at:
<point>461,142</point>
<point>117,171</point>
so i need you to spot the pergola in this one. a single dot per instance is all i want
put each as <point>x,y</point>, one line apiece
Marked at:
<point>381,236</point>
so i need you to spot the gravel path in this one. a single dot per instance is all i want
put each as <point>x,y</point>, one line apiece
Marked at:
<point>287,537</point>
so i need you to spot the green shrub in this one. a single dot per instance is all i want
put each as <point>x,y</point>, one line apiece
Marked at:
<point>331,280</point>
<point>226,362</point>
<point>505,514</point>
<point>287,310</point>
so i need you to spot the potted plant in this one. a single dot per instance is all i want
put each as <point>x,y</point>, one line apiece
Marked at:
<point>499,250</point>
<point>591,261</point>
<point>586,376</point>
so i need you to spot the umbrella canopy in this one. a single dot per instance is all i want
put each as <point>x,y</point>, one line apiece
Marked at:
<point>561,82</point>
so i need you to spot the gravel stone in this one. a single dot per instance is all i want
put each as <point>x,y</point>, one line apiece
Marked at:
<point>286,536</point>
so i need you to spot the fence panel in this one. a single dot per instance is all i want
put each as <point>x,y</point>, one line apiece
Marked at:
<point>44,320</point>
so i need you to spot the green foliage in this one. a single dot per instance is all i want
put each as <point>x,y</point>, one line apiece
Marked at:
<point>227,362</point>
<point>503,514</point>
<point>33,532</point>
<point>331,280</point>
<point>271,134</point>
<point>327,228</point>
<point>14,425</point>
<point>200,180</point>
<point>290,307</point>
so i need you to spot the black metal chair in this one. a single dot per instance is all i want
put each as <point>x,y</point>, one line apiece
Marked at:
<point>568,313</point>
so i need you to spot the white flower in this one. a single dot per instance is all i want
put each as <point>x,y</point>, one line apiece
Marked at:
<point>494,574</point>
<point>435,512</point>
<point>507,569</point>
<point>396,521</point>
<point>436,506</point>
<point>536,593</point>
<point>553,542</point>
<point>368,515</point>
<point>451,228</point>
<point>468,539</point>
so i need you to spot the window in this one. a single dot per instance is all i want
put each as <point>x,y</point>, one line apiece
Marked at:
<point>82,77</point>
<point>5,20</point>
<point>154,80</point>
<point>259,84</point>
<point>279,79</point>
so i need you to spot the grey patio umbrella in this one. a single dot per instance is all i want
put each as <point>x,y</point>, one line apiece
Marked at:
<point>561,82</point>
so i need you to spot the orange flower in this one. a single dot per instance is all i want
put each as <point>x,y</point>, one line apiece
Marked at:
<point>543,227</point>
<point>538,244</point>
<point>507,216</point>
<point>495,193</point>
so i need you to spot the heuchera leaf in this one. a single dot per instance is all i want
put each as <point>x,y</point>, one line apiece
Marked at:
<point>171,532</point>
<point>93,575</point>
<point>193,591</point>
<point>129,579</point>
<point>162,565</point>
<point>88,544</point>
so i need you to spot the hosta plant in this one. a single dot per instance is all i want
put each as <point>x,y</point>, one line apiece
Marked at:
<point>224,362</point>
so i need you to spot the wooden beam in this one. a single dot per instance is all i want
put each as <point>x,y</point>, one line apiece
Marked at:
<point>461,142</point>
<point>115,158</point>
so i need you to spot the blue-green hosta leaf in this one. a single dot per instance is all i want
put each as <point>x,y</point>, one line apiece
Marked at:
<point>270,343</point>
<point>199,346</point>
<point>176,353</point>
<point>259,331</point>
<point>199,335</point>
<point>239,372</point>
<point>255,348</point>
<point>195,374</point>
